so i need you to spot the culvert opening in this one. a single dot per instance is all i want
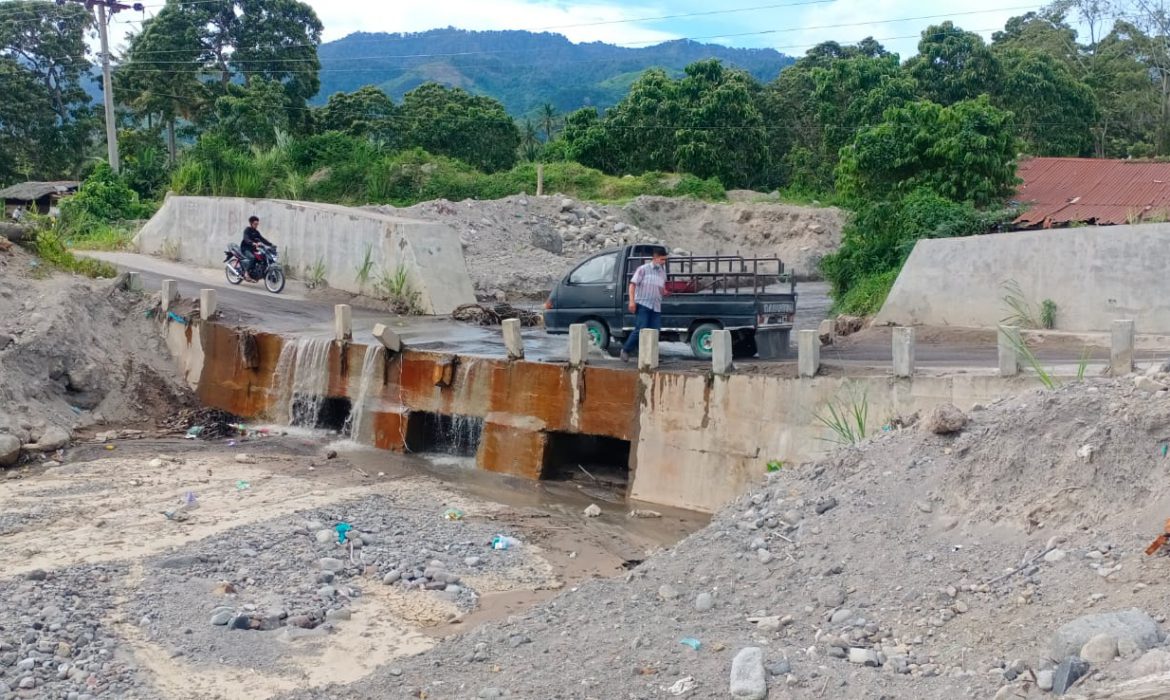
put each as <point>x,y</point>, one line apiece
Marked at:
<point>441,433</point>
<point>328,413</point>
<point>595,459</point>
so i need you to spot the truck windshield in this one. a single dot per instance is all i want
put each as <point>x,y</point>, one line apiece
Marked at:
<point>599,270</point>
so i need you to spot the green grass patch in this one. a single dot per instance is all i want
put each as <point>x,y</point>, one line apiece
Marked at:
<point>866,297</point>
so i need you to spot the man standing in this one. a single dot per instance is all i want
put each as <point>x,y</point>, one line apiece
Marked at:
<point>248,246</point>
<point>647,287</point>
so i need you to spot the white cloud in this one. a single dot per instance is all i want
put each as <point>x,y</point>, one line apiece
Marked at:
<point>344,17</point>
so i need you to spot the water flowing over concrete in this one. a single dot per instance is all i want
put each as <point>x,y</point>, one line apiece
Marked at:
<point>303,370</point>
<point>374,355</point>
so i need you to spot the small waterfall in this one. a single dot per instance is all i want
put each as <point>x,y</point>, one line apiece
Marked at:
<point>460,435</point>
<point>303,369</point>
<point>358,410</point>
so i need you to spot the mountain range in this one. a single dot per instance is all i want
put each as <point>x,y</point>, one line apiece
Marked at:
<point>523,70</point>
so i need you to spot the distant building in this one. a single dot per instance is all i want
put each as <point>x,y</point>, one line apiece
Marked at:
<point>1065,191</point>
<point>39,197</point>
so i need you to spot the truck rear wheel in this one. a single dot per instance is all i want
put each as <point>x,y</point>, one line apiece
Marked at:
<point>701,340</point>
<point>598,333</point>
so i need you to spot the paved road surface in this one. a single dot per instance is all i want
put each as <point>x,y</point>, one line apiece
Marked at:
<point>297,311</point>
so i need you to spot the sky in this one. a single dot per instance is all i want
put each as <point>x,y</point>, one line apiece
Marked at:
<point>790,26</point>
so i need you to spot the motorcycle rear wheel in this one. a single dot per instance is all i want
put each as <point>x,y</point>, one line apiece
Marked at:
<point>233,277</point>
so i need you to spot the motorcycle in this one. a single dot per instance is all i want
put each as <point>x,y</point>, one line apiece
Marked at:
<point>267,267</point>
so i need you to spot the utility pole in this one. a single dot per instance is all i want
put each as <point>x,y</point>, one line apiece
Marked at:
<point>110,7</point>
<point>108,91</point>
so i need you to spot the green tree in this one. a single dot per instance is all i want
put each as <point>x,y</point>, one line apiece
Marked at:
<point>548,121</point>
<point>1129,100</point>
<point>587,141</point>
<point>162,73</point>
<point>965,153</point>
<point>218,42</point>
<point>953,65</point>
<point>45,121</point>
<point>252,114</point>
<point>529,142</point>
<point>819,105</point>
<point>722,132</point>
<point>365,112</point>
<point>642,126</point>
<point>1053,111</point>
<point>1046,32</point>
<point>453,122</point>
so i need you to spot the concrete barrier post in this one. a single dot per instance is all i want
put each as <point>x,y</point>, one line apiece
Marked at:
<point>1010,342</point>
<point>578,345</point>
<point>721,363</point>
<point>134,281</point>
<point>388,338</point>
<point>903,351</point>
<point>208,303</point>
<point>342,323</point>
<point>648,350</point>
<point>170,292</point>
<point>808,353</point>
<point>1121,349</point>
<point>513,341</point>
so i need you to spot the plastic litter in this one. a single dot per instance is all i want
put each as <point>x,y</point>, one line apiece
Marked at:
<point>171,315</point>
<point>242,485</point>
<point>1165,448</point>
<point>342,530</point>
<point>190,499</point>
<point>453,514</point>
<point>691,642</point>
<point>775,465</point>
<point>110,448</point>
<point>683,686</point>
<point>505,542</point>
<point>231,443</point>
<point>194,432</point>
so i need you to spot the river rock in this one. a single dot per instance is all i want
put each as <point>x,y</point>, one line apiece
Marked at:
<point>945,419</point>
<point>51,440</point>
<point>331,564</point>
<point>704,602</point>
<point>1101,649</point>
<point>1132,625</point>
<point>546,238</point>
<point>9,450</point>
<point>748,680</point>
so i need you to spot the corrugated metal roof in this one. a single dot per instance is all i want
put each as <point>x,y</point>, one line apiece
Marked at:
<point>1059,191</point>
<point>32,191</point>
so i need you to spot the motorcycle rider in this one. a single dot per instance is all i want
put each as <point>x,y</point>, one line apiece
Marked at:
<point>248,246</point>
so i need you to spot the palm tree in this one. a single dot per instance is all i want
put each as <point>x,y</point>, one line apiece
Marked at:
<point>530,141</point>
<point>548,120</point>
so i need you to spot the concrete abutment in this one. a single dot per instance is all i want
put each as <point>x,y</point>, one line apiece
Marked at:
<point>695,439</point>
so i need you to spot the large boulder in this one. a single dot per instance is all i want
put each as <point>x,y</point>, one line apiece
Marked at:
<point>1133,626</point>
<point>546,238</point>
<point>9,450</point>
<point>51,440</point>
<point>945,419</point>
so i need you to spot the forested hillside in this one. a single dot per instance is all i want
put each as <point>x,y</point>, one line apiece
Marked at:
<point>523,70</point>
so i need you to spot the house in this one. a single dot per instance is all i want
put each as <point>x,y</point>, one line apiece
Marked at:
<point>41,197</point>
<point>1065,191</point>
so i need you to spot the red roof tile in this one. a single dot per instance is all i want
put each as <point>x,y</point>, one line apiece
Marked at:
<point>1060,191</point>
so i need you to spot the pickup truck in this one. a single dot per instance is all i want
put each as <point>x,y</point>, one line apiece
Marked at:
<point>754,298</point>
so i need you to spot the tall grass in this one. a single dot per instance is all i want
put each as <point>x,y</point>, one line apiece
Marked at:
<point>394,286</point>
<point>365,268</point>
<point>347,170</point>
<point>1020,312</point>
<point>847,419</point>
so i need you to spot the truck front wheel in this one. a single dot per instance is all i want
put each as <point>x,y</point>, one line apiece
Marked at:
<point>701,340</point>
<point>598,333</point>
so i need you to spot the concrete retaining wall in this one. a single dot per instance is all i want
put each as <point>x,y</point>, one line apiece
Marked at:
<point>695,441</point>
<point>197,229</point>
<point>1094,274</point>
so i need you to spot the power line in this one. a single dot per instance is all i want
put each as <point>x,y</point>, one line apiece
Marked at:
<point>785,30</point>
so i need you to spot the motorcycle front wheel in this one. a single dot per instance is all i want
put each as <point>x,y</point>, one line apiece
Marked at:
<point>274,280</point>
<point>233,276</point>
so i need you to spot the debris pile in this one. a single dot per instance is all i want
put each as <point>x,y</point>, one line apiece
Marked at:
<point>520,246</point>
<point>976,557</point>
